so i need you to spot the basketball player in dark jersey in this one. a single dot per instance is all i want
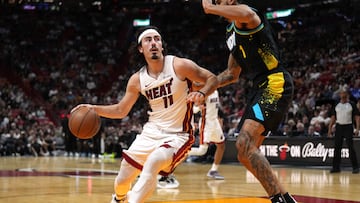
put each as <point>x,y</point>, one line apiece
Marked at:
<point>254,55</point>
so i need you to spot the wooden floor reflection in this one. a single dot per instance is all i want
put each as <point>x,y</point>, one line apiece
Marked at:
<point>75,180</point>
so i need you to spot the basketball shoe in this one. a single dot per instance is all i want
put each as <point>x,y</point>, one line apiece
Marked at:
<point>215,175</point>
<point>114,200</point>
<point>168,182</point>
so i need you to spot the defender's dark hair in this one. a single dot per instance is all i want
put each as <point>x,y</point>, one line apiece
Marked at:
<point>137,59</point>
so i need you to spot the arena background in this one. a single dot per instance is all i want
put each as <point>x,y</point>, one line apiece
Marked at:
<point>56,54</point>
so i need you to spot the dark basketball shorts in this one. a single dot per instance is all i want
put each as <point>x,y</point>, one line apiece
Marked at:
<point>269,101</point>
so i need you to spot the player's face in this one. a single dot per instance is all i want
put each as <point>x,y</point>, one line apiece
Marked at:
<point>151,46</point>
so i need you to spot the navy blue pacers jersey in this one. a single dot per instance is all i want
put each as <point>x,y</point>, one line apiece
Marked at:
<point>272,87</point>
<point>255,50</point>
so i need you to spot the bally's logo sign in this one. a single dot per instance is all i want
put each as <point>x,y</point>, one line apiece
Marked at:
<point>308,150</point>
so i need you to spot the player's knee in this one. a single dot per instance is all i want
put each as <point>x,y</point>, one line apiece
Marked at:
<point>243,145</point>
<point>160,158</point>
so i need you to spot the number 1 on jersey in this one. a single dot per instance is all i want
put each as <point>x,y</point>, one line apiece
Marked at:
<point>168,101</point>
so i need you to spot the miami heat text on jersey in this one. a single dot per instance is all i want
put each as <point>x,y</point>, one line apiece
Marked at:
<point>162,91</point>
<point>167,98</point>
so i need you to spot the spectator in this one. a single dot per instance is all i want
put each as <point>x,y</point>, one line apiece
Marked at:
<point>312,132</point>
<point>300,130</point>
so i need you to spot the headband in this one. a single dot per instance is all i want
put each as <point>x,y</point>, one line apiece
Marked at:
<point>147,32</point>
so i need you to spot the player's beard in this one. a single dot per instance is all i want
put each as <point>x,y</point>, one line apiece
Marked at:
<point>155,56</point>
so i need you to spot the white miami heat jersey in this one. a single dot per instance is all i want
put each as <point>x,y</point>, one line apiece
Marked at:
<point>210,127</point>
<point>167,98</point>
<point>212,106</point>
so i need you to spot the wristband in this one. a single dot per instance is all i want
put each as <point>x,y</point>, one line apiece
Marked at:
<point>201,93</point>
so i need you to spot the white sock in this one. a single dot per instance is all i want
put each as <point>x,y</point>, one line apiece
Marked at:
<point>214,167</point>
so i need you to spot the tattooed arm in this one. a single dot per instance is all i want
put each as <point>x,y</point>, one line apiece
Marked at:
<point>231,74</point>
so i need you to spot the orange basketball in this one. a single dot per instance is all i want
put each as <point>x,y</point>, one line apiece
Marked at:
<point>84,123</point>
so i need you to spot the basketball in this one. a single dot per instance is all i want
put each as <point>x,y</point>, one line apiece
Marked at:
<point>84,123</point>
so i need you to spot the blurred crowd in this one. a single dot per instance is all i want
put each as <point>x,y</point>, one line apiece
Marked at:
<point>50,61</point>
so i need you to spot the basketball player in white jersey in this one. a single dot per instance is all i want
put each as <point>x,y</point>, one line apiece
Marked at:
<point>210,129</point>
<point>165,81</point>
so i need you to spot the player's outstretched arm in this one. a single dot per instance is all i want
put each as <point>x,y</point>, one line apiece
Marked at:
<point>123,107</point>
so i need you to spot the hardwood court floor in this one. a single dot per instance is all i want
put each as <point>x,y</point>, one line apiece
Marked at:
<point>75,180</point>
